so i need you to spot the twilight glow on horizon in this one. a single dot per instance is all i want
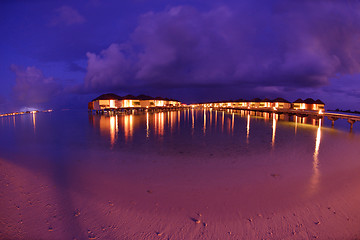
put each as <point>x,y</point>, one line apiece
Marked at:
<point>63,54</point>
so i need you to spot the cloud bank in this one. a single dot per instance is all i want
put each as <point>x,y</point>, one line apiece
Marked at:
<point>32,88</point>
<point>275,45</point>
<point>68,16</point>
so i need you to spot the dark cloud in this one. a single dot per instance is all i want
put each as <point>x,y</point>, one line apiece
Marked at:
<point>67,15</point>
<point>74,67</point>
<point>2,100</point>
<point>189,50</point>
<point>270,45</point>
<point>32,88</point>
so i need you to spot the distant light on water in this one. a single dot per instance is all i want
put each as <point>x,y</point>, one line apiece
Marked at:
<point>28,109</point>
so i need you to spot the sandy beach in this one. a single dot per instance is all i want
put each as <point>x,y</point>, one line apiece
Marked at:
<point>117,199</point>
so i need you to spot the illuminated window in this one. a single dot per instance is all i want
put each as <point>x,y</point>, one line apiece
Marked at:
<point>112,103</point>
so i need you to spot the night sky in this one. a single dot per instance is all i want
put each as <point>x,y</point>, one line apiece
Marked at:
<point>62,54</point>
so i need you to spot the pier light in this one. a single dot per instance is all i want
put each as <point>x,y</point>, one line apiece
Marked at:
<point>320,111</point>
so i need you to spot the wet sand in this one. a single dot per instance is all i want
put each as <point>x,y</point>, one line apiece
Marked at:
<point>118,199</point>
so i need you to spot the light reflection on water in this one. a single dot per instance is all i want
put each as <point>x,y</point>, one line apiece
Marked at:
<point>314,181</point>
<point>248,128</point>
<point>273,130</point>
<point>33,119</point>
<point>164,124</point>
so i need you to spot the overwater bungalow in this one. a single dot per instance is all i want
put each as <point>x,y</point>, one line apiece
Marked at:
<point>113,101</point>
<point>281,103</point>
<point>319,105</point>
<point>130,101</point>
<point>254,103</point>
<point>265,103</point>
<point>160,102</point>
<point>106,101</point>
<point>242,103</point>
<point>299,104</point>
<point>308,104</point>
<point>174,103</point>
<point>146,101</point>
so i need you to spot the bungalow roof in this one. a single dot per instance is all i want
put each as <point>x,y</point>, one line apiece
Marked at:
<point>130,97</point>
<point>255,100</point>
<point>159,98</point>
<point>108,96</point>
<point>280,100</point>
<point>299,100</point>
<point>318,101</point>
<point>144,97</point>
<point>309,101</point>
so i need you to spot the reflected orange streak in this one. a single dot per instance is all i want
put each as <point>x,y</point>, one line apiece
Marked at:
<point>159,123</point>
<point>113,129</point>
<point>232,122</point>
<point>274,130</point>
<point>193,120</point>
<point>204,122</point>
<point>216,118</point>
<point>34,121</point>
<point>128,126</point>
<point>147,125</point>
<point>222,122</point>
<point>315,178</point>
<point>168,118</point>
<point>172,120</point>
<point>248,127</point>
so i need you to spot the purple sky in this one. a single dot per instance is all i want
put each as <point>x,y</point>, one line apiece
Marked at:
<point>61,54</point>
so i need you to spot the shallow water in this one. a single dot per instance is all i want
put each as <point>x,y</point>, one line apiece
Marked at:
<point>225,164</point>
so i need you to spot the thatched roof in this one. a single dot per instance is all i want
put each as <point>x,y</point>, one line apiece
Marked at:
<point>108,96</point>
<point>144,97</point>
<point>299,100</point>
<point>309,101</point>
<point>318,101</point>
<point>255,100</point>
<point>112,96</point>
<point>130,97</point>
<point>280,100</point>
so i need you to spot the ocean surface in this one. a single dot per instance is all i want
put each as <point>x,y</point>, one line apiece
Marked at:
<point>189,133</point>
<point>165,162</point>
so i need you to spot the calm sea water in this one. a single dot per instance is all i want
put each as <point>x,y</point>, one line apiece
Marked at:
<point>174,131</point>
<point>187,138</point>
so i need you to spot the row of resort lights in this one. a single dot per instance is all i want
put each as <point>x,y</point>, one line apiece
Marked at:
<point>22,113</point>
<point>267,104</point>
